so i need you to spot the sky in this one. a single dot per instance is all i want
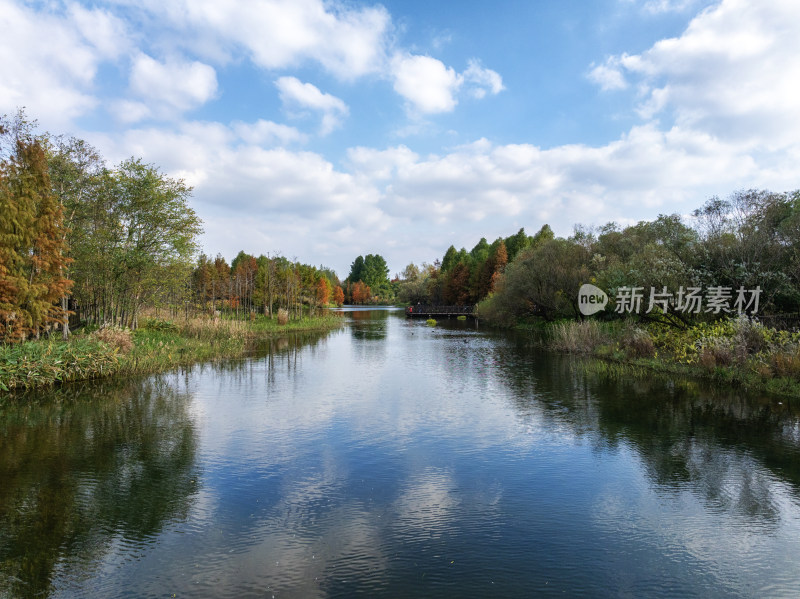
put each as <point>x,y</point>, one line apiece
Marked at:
<point>324,130</point>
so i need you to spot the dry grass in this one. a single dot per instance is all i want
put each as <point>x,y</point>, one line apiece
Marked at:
<point>637,343</point>
<point>208,329</point>
<point>786,363</point>
<point>577,337</point>
<point>116,338</point>
<point>283,317</point>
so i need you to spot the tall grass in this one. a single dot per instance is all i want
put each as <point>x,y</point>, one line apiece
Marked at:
<point>36,363</point>
<point>156,345</point>
<point>577,337</point>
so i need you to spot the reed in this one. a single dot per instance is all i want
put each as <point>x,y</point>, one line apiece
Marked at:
<point>577,337</point>
<point>156,346</point>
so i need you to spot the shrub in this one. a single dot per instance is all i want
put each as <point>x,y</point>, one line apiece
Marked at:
<point>716,354</point>
<point>637,343</point>
<point>786,363</point>
<point>116,338</point>
<point>431,322</point>
<point>283,316</point>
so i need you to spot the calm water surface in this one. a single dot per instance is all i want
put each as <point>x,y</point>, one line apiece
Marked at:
<point>390,459</point>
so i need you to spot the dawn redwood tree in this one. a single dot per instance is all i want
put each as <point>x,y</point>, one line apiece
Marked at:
<point>338,295</point>
<point>32,240</point>
<point>323,291</point>
<point>361,293</point>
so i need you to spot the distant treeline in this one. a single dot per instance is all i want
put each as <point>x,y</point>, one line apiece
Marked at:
<point>748,241</point>
<point>264,285</point>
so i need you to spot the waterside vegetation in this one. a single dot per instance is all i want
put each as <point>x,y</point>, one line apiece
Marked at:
<point>156,345</point>
<point>732,351</point>
<point>112,252</point>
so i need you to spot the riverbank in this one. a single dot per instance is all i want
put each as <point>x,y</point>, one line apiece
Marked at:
<point>735,352</point>
<point>155,346</point>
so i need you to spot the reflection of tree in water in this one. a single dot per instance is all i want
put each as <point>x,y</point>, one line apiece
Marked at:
<point>85,465</point>
<point>727,447</point>
<point>370,325</point>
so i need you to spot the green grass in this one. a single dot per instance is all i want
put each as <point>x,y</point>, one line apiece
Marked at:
<point>732,353</point>
<point>157,345</point>
<point>36,363</point>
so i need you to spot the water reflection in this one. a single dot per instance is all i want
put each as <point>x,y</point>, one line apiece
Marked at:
<point>728,446</point>
<point>396,459</point>
<point>107,462</point>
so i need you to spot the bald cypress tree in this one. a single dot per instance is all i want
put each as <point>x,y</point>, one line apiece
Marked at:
<point>32,241</point>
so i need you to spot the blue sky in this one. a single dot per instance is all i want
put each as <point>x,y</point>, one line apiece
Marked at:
<point>325,130</point>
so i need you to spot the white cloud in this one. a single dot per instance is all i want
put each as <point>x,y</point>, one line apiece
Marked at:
<point>426,82</point>
<point>296,93</point>
<point>347,41</point>
<point>608,76</point>
<point>175,85</point>
<point>130,111</point>
<point>107,33</point>
<point>429,86</point>
<point>267,133</point>
<point>482,79</point>
<point>48,65</point>
<point>732,73</point>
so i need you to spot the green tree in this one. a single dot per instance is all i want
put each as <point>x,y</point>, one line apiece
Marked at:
<point>450,259</point>
<point>157,238</point>
<point>542,281</point>
<point>356,270</point>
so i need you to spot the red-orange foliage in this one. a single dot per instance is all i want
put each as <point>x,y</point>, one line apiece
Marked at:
<point>456,287</point>
<point>338,296</point>
<point>323,291</point>
<point>361,293</point>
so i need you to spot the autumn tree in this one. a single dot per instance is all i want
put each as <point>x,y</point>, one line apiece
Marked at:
<point>32,238</point>
<point>361,293</point>
<point>338,295</point>
<point>323,291</point>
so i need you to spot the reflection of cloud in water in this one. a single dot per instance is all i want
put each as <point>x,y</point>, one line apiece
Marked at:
<point>745,516</point>
<point>427,504</point>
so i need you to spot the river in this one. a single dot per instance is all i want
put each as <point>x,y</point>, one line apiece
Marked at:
<point>393,459</point>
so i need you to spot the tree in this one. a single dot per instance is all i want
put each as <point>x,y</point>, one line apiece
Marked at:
<point>338,296</point>
<point>456,287</point>
<point>361,293</point>
<point>32,240</point>
<point>356,270</point>
<point>157,237</point>
<point>323,291</point>
<point>450,259</point>
<point>516,243</point>
<point>376,274</point>
<point>542,281</point>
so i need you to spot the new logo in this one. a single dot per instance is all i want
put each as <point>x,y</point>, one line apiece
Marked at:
<point>591,299</point>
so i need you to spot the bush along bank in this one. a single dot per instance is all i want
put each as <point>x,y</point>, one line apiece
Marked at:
<point>155,346</point>
<point>735,351</point>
